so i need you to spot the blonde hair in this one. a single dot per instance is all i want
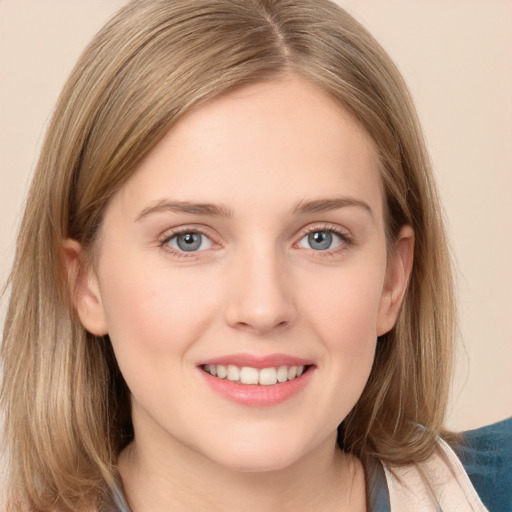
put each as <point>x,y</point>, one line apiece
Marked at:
<point>67,412</point>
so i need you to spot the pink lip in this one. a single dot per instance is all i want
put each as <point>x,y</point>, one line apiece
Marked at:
<point>256,395</point>
<point>255,361</point>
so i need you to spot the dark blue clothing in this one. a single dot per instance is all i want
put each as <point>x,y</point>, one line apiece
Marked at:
<point>486,454</point>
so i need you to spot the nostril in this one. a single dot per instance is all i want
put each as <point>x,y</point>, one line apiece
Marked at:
<point>259,299</point>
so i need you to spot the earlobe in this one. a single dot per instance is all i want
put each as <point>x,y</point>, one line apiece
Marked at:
<point>397,277</point>
<point>84,289</point>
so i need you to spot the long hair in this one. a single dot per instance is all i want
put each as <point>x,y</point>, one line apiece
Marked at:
<point>67,409</point>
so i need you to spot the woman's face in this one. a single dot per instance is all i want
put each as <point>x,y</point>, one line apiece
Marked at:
<point>249,242</point>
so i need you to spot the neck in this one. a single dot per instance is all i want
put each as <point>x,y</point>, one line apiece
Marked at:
<point>169,476</point>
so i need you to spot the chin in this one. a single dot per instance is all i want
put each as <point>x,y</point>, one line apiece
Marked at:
<point>257,463</point>
<point>254,456</point>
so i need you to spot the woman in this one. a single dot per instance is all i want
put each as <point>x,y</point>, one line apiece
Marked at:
<point>232,281</point>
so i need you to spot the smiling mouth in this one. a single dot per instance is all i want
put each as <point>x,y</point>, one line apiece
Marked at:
<point>250,376</point>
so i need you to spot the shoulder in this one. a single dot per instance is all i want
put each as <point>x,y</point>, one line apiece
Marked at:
<point>486,454</point>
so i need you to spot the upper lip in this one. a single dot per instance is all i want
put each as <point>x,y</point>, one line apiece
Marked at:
<point>257,361</point>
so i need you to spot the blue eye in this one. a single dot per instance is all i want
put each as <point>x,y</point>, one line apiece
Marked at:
<point>190,242</point>
<point>321,240</point>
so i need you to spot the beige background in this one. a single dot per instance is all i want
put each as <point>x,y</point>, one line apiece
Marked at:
<point>457,58</point>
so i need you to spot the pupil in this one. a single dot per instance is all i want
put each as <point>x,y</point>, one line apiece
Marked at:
<point>320,240</point>
<point>189,241</point>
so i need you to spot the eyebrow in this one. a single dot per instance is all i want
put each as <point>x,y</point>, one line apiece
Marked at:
<point>206,209</point>
<point>335,203</point>
<point>219,210</point>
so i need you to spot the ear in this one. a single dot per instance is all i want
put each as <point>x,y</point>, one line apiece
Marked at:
<point>398,270</point>
<point>84,289</point>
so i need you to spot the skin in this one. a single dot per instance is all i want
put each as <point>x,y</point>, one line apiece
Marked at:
<point>255,286</point>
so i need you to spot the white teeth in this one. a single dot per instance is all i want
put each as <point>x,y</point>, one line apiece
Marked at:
<point>211,369</point>
<point>282,374</point>
<point>248,375</point>
<point>233,373</point>
<point>268,376</point>
<point>221,371</point>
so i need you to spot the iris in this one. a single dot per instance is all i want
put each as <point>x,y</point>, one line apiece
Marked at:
<point>189,241</point>
<point>320,240</point>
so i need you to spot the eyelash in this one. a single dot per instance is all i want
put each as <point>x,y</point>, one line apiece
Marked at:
<point>346,239</point>
<point>163,243</point>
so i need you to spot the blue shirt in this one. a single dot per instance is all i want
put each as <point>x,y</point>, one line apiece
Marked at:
<point>486,454</point>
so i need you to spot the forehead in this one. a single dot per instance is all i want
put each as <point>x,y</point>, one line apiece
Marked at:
<point>281,141</point>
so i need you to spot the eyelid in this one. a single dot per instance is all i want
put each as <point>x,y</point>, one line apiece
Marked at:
<point>325,226</point>
<point>337,230</point>
<point>166,236</point>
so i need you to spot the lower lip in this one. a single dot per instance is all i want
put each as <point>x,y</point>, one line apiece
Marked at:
<point>255,395</point>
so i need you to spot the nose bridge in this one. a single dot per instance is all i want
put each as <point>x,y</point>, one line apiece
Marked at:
<point>260,298</point>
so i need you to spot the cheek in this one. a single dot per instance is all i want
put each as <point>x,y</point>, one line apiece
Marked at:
<point>154,316</point>
<point>345,319</point>
<point>346,304</point>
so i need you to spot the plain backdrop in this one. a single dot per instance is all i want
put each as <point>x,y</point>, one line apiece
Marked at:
<point>456,56</point>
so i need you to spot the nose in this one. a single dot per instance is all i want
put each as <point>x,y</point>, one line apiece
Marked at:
<point>259,298</point>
